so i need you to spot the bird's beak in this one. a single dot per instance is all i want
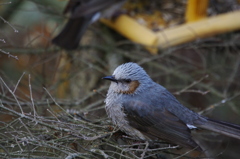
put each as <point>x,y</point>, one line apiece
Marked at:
<point>111,78</point>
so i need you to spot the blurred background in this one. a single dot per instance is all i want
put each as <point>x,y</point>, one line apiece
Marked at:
<point>42,82</point>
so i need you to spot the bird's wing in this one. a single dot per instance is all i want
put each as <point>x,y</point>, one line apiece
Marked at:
<point>157,122</point>
<point>93,6</point>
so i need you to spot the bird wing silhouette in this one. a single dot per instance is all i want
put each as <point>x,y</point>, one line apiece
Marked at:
<point>158,123</point>
<point>83,13</point>
<point>92,7</point>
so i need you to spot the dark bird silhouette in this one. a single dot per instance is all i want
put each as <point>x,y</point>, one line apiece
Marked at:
<point>82,14</point>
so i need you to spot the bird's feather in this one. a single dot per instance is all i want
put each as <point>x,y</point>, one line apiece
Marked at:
<point>94,6</point>
<point>158,123</point>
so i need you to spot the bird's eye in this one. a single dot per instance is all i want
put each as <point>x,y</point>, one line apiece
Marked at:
<point>127,80</point>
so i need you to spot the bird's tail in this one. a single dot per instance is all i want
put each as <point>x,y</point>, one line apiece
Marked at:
<point>71,34</point>
<point>222,127</point>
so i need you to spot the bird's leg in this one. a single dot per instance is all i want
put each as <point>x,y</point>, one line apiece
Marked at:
<point>145,149</point>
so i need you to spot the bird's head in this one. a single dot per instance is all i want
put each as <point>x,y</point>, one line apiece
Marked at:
<point>128,78</point>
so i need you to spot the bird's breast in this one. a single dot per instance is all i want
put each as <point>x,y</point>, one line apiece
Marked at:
<point>115,113</point>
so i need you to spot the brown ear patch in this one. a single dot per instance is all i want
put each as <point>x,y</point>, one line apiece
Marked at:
<point>133,85</point>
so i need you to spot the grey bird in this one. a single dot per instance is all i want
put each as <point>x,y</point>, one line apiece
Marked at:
<point>82,14</point>
<point>147,111</point>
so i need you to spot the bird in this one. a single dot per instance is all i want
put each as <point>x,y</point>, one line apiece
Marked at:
<point>147,111</point>
<point>82,14</point>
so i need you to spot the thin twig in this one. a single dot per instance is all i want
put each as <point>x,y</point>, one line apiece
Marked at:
<point>191,85</point>
<point>97,91</point>
<point>218,104</point>
<point>55,102</point>
<point>26,127</point>
<point>13,95</point>
<point>185,153</point>
<point>31,97</point>
<point>5,3</point>
<point>2,40</point>
<point>7,53</point>
<point>15,30</point>
<point>145,150</point>
<point>18,82</point>
<point>53,114</point>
